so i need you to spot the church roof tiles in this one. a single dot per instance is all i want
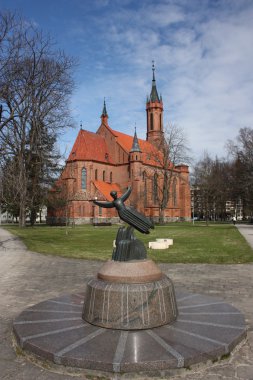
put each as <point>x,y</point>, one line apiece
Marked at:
<point>150,154</point>
<point>90,146</point>
<point>105,188</point>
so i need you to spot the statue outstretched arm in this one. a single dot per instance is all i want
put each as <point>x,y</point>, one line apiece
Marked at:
<point>104,204</point>
<point>126,194</point>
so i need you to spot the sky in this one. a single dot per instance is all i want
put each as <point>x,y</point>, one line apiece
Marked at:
<point>203,53</point>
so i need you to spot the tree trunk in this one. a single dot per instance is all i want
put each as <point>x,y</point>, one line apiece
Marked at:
<point>161,216</point>
<point>23,193</point>
<point>33,216</point>
<point>22,214</point>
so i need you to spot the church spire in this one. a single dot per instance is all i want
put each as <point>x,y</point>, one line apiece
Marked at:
<point>104,116</point>
<point>135,146</point>
<point>154,94</point>
<point>104,112</point>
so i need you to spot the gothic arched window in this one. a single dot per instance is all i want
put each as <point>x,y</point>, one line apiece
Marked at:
<point>84,179</point>
<point>151,122</point>
<point>103,175</point>
<point>96,174</point>
<point>144,177</point>
<point>155,187</point>
<point>174,192</point>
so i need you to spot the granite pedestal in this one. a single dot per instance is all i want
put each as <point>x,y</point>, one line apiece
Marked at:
<point>130,295</point>
<point>125,326</point>
<point>206,329</point>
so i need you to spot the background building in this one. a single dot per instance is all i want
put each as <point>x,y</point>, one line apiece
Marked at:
<point>110,160</point>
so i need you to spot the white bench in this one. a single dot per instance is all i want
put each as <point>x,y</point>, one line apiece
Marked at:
<point>158,245</point>
<point>168,241</point>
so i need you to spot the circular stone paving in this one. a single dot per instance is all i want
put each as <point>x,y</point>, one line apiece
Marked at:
<point>206,328</point>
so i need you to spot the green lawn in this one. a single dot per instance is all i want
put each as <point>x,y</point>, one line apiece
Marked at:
<point>216,243</point>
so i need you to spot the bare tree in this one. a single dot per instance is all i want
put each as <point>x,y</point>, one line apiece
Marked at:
<point>203,182</point>
<point>213,184</point>
<point>35,85</point>
<point>241,151</point>
<point>58,204</point>
<point>171,151</point>
<point>9,182</point>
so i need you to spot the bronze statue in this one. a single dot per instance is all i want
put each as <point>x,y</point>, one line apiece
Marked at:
<point>128,214</point>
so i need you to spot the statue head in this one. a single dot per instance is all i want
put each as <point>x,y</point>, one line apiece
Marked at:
<point>113,194</point>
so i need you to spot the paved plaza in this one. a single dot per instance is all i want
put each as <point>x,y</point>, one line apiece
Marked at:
<point>27,278</point>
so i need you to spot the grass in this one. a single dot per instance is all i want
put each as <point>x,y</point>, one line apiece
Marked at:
<point>214,244</point>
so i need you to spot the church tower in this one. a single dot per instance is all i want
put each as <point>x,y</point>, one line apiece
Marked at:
<point>154,108</point>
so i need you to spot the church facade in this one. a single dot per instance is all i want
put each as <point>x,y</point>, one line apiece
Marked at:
<point>111,160</point>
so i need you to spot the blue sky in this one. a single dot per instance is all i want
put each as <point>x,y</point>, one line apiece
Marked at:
<point>203,52</point>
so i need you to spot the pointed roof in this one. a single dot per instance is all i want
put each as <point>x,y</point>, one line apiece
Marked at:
<point>154,94</point>
<point>135,146</point>
<point>91,147</point>
<point>104,112</point>
<point>150,154</point>
<point>105,188</point>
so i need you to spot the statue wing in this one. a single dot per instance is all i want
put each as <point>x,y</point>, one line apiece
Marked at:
<point>126,194</point>
<point>104,204</point>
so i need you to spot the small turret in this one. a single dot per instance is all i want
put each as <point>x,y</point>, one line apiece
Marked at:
<point>135,165</point>
<point>135,146</point>
<point>104,116</point>
<point>135,152</point>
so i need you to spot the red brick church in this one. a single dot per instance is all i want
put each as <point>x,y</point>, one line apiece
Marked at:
<point>110,160</point>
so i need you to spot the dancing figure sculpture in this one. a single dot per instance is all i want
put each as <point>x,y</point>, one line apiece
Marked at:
<point>127,246</point>
<point>128,214</point>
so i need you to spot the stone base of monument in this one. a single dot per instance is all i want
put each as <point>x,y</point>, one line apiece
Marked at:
<point>125,326</point>
<point>130,295</point>
<point>207,328</point>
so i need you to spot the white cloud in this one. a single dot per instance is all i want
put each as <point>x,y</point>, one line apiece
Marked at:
<point>204,60</point>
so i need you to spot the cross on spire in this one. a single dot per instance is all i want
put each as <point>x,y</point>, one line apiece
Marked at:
<point>154,97</point>
<point>153,69</point>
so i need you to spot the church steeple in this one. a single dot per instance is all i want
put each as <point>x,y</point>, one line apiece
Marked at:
<point>154,94</point>
<point>135,146</point>
<point>154,108</point>
<point>104,112</point>
<point>104,116</point>
<point>135,158</point>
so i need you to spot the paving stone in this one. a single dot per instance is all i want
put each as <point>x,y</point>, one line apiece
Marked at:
<point>213,377</point>
<point>245,372</point>
<point>226,371</point>
<point>250,339</point>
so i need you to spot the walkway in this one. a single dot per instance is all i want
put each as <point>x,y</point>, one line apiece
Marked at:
<point>27,278</point>
<point>247,231</point>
